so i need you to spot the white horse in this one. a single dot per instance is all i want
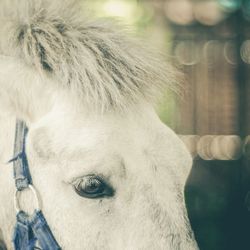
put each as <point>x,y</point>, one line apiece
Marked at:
<point>109,173</point>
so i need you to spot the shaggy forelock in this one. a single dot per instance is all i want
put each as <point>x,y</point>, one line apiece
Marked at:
<point>94,59</point>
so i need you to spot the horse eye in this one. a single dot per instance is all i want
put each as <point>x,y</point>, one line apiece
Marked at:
<point>92,186</point>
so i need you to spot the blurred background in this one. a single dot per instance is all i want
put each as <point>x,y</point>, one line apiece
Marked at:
<point>209,41</point>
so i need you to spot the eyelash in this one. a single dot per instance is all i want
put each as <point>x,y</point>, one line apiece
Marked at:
<point>92,187</point>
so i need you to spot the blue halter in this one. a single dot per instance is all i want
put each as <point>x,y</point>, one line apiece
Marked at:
<point>31,232</point>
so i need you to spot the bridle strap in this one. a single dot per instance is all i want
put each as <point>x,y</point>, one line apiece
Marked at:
<point>31,232</point>
<point>21,168</point>
<point>23,237</point>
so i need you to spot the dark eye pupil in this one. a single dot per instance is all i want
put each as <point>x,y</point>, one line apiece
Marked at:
<point>92,186</point>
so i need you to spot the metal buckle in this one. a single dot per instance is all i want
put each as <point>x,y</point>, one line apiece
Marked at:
<point>35,193</point>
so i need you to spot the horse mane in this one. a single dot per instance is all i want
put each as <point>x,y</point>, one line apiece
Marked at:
<point>98,60</point>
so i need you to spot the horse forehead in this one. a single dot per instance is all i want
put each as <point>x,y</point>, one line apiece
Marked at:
<point>76,138</point>
<point>110,134</point>
<point>76,133</point>
<point>77,129</point>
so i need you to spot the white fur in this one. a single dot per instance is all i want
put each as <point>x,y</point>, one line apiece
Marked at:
<point>93,59</point>
<point>68,138</point>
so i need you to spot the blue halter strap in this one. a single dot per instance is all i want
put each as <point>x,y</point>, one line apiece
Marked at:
<point>31,232</point>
